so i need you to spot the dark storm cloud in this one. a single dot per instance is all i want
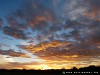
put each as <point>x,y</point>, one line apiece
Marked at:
<point>12,53</point>
<point>14,32</point>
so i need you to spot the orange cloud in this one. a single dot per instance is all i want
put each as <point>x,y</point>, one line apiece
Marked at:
<point>93,15</point>
<point>93,11</point>
<point>44,45</point>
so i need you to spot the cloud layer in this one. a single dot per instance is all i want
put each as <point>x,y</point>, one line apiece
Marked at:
<point>61,30</point>
<point>13,53</point>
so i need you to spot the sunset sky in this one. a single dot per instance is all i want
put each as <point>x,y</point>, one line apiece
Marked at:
<point>49,34</point>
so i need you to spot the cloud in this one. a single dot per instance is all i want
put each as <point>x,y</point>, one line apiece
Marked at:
<point>17,65</point>
<point>54,28</point>
<point>96,3</point>
<point>13,53</point>
<point>12,66</point>
<point>1,22</point>
<point>63,50</point>
<point>95,38</point>
<point>19,34</point>
<point>15,22</point>
<point>4,45</point>
<point>44,45</point>
<point>6,38</point>
<point>59,53</point>
<point>5,60</point>
<point>65,30</point>
<point>93,10</point>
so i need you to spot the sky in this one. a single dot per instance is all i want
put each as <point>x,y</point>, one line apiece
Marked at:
<point>49,34</point>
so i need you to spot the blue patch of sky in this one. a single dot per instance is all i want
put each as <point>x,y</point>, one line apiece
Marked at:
<point>7,6</point>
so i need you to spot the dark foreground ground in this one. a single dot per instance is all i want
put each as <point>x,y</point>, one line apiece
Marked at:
<point>91,70</point>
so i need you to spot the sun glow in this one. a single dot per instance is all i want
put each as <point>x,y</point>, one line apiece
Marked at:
<point>45,67</point>
<point>42,67</point>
